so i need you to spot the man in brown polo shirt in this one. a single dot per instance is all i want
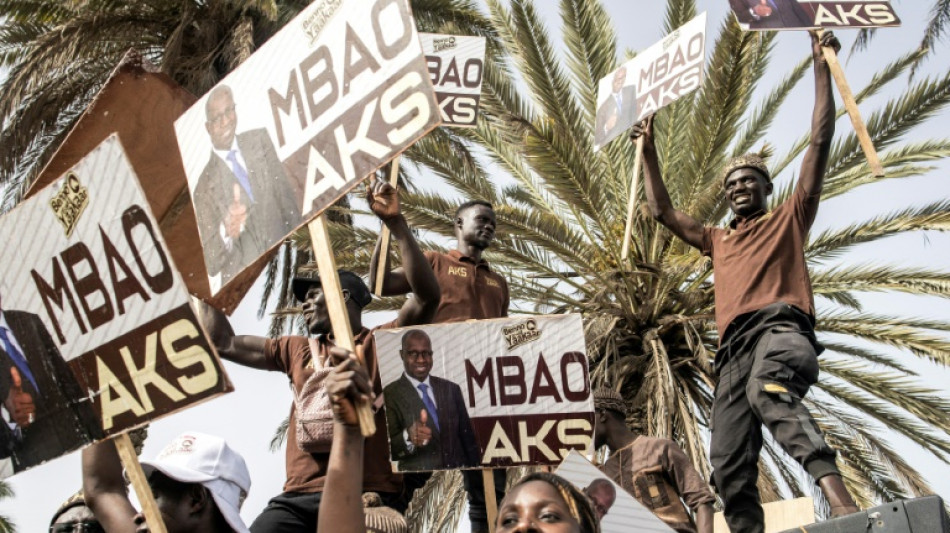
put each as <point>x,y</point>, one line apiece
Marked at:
<point>768,354</point>
<point>470,290</point>
<point>297,508</point>
<point>654,471</point>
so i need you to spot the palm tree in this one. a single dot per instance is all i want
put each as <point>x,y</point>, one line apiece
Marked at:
<point>6,524</point>
<point>934,32</point>
<point>649,322</point>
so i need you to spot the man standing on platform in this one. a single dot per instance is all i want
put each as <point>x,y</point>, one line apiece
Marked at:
<point>470,290</point>
<point>765,313</point>
<point>654,471</point>
<point>297,508</point>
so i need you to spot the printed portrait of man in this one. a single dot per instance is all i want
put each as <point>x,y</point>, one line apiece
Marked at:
<point>618,111</point>
<point>770,14</point>
<point>602,494</point>
<point>244,202</point>
<point>429,428</point>
<point>43,409</point>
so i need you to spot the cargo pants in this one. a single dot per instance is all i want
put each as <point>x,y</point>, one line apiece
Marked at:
<point>766,363</point>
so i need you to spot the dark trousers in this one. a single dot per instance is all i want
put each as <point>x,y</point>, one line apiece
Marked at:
<point>766,363</point>
<point>475,487</point>
<point>292,512</point>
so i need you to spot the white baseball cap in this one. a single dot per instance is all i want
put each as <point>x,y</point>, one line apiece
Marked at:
<point>199,458</point>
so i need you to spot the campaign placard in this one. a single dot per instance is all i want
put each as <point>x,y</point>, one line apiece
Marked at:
<point>456,67</point>
<point>621,512</point>
<point>340,90</point>
<point>97,333</point>
<point>807,14</point>
<point>655,78</point>
<point>486,393</point>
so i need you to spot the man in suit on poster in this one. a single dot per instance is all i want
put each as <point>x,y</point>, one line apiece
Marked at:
<point>762,14</point>
<point>618,111</point>
<point>45,412</point>
<point>244,201</point>
<point>429,428</point>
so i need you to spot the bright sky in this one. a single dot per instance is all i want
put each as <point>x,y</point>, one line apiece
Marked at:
<point>247,418</point>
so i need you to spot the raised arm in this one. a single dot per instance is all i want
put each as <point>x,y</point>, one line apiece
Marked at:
<point>682,225</point>
<point>823,117</point>
<point>383,199</point>
<point>341,509</point>
<point>247,350</point>
<point>104,488</point>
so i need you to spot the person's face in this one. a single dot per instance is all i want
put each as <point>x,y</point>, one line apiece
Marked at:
<point>619,77</point>
<point>535,506</point>
<point>476,226</point>
<point>77,519</point>
<point>747,191</point>
<point>417,357</point>
<point>315,314</point>
<point>176,507</point>
<point>602,498</point>
<point>600,429</point>
<point>221,120</point>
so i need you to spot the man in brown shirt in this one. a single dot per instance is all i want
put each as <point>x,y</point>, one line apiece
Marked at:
<point>654,471</point>
<point>768,354</point>
<point>470,290</point>
<point>297,508</point>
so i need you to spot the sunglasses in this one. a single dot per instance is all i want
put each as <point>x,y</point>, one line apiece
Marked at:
<point>77,527</point>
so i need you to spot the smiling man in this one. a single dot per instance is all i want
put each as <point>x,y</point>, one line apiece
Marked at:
<point>765,314</point>
<point>243,201</point>
<point>429,428</point>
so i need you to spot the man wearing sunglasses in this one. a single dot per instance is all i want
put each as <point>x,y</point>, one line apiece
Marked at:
<point>74,516</point>
<point>297,508</point>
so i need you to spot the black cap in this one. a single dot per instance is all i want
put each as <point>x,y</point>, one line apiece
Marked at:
<point>349,282</point>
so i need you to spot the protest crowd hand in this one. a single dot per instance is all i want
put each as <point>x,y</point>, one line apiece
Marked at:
<point>419,433</point>
<point>19,403</point>
<point>826,39</point>
<point>383,199</point>
<point>643,128</point>
<point>347,385</point>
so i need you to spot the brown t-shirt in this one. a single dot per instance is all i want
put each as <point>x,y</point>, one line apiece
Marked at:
<point>657,473</point>
<point>760,260</point>
<point>306,472</point>
<point>469,290</point>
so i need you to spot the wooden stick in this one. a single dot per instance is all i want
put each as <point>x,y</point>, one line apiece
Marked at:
<point>632,202</point>
<point>339,318</point>
<point>491,506</point>
<point>852,107</point>
<point>384,235</point>
<point>130,461</point>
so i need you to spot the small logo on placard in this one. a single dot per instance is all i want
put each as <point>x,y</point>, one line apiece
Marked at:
<point>522,333</point>
<point>69,203</point>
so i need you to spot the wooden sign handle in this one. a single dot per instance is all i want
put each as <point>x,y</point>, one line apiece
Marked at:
<point>632,202</point>
<point>130,461</point>
<point>339,318</point>
<point>384,236</point>
<point>491,506</point>
<point>851,105</point>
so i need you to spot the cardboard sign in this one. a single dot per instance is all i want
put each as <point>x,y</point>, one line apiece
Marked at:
<point>505,392</point>
<point>456,66</point>
<point>656,78</point>
<point>625,513</point>
<point>326,101</point>
<point>98,333</point>
<point>806,14</point>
